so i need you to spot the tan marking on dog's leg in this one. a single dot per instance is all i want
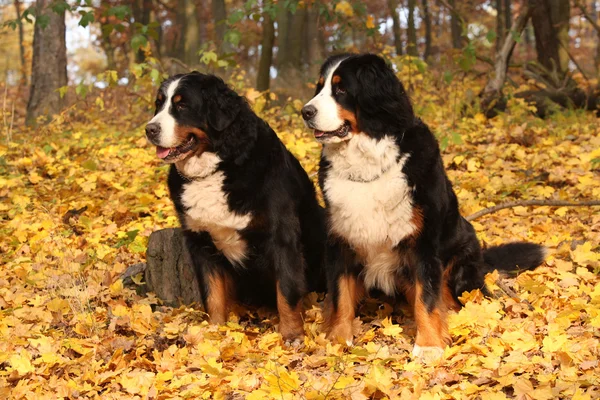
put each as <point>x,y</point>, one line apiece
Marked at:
<point>291,325</point>
<point>218,301</point>
<point>350,293</point>
<point>432,326</point>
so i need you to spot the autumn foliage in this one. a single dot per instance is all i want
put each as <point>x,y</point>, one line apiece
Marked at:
<point>80,197</point>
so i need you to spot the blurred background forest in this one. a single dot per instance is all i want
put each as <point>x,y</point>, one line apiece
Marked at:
<point>46,46</point>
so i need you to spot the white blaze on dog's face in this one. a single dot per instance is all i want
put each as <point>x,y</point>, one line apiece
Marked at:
<point>331,120</point>
<point>175,129</point>
<point>164,119</point>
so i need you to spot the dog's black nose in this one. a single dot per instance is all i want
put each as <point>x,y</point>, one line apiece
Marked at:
<point>308,112</point>
<point>152,131</point>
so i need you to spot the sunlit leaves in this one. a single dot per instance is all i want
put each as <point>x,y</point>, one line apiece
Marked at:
<point>71,328</point>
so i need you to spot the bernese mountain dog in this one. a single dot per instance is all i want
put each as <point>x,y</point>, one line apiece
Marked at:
<point>251,221</point>
<point>393,218</point>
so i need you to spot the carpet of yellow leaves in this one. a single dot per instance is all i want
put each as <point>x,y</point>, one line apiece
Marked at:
<point>69,329</point>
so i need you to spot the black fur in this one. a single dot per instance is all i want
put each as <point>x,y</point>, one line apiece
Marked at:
<point>374,94</point>
<point>286,236</point>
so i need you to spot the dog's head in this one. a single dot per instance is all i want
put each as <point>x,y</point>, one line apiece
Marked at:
<point>357,94</point>
<point>193,111</point>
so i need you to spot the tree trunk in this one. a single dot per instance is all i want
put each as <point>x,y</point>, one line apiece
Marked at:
<point>412,30</point>
<point>493,89</point>
<point>314,55</point>
<point>21,39</point>
<point>169,272</point>
<point>141,14</point>
<point>283,23</point>
<point>219,13</point>
<point>550,20</point>
<point>506,7</point>
<point>291,66</point>
<point>499,24</point>
<point>263,77</point>
<point>427,21</point>
<point>192,42</point>
<point>455,26</point>
<point>396,28</point>
<point>597,58</point>
<point>178,50</point>
<point>295,36</point>
<point>49,64</point>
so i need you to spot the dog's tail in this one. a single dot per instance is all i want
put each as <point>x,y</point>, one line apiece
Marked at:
<point>513,258</point>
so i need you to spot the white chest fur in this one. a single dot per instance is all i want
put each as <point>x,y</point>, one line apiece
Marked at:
<point>207,208</point>
<point>370,204</point>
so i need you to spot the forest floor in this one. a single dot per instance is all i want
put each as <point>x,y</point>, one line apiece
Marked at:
<point>70,329</point>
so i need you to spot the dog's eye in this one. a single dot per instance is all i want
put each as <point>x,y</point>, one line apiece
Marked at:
<point>339,90</point>
<point>180,106</point>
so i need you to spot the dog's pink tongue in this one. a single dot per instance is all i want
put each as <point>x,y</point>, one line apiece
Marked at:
<point>319,133</point>
<point>162,152</point>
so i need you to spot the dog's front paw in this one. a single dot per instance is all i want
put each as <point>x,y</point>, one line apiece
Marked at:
<point>428,353</point>
<point>342,333</point>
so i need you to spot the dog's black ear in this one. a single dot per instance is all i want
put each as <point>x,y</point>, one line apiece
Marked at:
<point>223,108</point>
<point>382,103</point>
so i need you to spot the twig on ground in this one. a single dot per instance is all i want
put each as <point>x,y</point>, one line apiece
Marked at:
<point>511,293</point>
<point>527,203</point>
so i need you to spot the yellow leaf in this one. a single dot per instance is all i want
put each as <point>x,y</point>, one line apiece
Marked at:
<point>390,329</point>
<point>553,343</point>
<point>116,288</point>
<point>562,211</point>
<point>370,24</point>
<point>345,8</point>
<point>480,118</point>
<point>58,305</point>
<point>583,254</point>
<point>34,177</point>
<point>343,382</point>
<point>473,165</point>
<point>458,159</point>
<point>20,363</point>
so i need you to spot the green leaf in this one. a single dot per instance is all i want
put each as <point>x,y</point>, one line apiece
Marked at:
<point>119,11</point>
<point>491,36</point>
<point>86,18</point>
<point>236,16</point>
<point>62,91</point>
<point>208,56</point>
<point>448,76</point>
<point>42,21</point>
<point>456,138</point>
<point>444,143</point>
<point>138,41</point>
<point>467,59</point>
<point>59,7</point>
<point>233,36</point>
<point>107,29</point>
<point>155,75</point>
<point>81,90</point>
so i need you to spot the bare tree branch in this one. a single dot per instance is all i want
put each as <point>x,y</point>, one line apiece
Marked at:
<point>587,16</point>
<point>494,85</point>
<point>526,203</point>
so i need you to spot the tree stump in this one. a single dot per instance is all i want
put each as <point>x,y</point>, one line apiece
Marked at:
<point>169,272</point>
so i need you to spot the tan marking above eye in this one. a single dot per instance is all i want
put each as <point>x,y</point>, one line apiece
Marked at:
<point>321,80</point>
<point>336,79</point>
<point>160,97</point>
<point>176,99</point>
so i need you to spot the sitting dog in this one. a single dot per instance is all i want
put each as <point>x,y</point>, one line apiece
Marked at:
<point>252,225</point>
<point>393,217</point>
